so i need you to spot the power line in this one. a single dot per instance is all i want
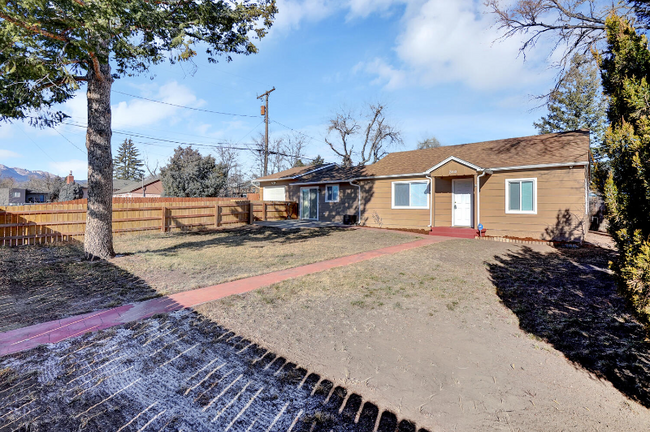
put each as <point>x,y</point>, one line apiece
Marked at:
<point>66,138</point>
<point>183,106</point>
<point>220,145</point>
<point>298,132</point>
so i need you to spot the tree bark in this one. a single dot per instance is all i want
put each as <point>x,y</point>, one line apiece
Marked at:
<point>98,242</point>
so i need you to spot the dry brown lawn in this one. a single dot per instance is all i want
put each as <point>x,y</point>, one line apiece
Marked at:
<point>43,283</point>
<point>465,335</point>
<point>179,262</point>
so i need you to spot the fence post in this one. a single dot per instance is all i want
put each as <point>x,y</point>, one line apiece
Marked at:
<point>263,211</point>
<point>219,217</point>
<point>163,219</point>
<point>216,215</point>
<point>251,213</point>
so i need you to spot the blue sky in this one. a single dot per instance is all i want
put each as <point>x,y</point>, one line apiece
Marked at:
<point>434,64</point>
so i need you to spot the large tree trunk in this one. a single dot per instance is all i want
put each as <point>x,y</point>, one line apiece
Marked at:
<point>99,218</point>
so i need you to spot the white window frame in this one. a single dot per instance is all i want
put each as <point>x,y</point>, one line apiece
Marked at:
<point>16,195</point>
<point>409,207</point>
<point>507,186</point>
<point>338,193</point>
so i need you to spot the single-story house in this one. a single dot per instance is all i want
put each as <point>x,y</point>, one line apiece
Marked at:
<point>530,187</point>
<point>150,187</point>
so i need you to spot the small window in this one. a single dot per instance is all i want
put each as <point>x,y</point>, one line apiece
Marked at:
<point>332,193</point>
<point>521,196</point>
<point>16,194</point>
<point>411,195</point>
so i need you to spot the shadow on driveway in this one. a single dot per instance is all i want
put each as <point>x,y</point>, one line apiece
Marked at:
<point>568,298</point>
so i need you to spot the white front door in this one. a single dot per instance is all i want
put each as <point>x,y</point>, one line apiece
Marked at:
<point>462,202</point>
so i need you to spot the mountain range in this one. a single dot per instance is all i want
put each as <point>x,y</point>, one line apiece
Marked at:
<point>21,174</point>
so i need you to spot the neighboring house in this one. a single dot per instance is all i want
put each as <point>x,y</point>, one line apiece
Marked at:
<point>18,196</point>
<point>150,187</point>
<point>530,187</point>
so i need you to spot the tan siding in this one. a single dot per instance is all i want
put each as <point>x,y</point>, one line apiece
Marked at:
<point>560,205</point>
<point>275,183</point>
<point>376,206</point>
<point>453,168</point>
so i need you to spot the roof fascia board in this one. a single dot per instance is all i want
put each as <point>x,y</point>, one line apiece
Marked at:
<point>553,165</point>
<point>455,159</point>
<point>317,182</point>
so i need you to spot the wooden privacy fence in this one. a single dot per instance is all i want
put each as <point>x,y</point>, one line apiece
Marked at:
<point>46,223</point>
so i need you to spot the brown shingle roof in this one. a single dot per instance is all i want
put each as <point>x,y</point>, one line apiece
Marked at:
<point>567,147</point>
<point>558,148</point>
<point>289,174</point>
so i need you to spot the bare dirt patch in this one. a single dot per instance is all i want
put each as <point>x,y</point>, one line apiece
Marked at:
<point>183,261</point>
<point>174,373</point>
<point>464,335</point>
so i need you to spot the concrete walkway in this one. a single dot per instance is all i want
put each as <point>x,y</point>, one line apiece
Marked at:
<point>55,331</point>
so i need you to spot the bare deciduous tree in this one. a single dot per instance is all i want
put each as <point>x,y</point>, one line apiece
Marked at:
<point>228,158</point>
<point>277,156</point>
<point>575,26</point>
<point>294,147</point>
<point>378,135</point>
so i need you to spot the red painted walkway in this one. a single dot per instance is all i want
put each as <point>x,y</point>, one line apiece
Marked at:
<point>55,331</point>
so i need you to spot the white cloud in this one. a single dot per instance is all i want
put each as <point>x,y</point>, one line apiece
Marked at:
<point>447,41</point>
<point>138,112</point>
<point>292,12</point>
<point>387,75</point>
<point>364,8</point>
<point>78,167</point>
<point>6,154</point>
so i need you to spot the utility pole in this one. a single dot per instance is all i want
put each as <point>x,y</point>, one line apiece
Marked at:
<point>265,113</point>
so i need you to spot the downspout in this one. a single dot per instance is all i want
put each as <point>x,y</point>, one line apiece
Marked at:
<point>430,200</point>
<point>359,204</point>
<point>478,197</point>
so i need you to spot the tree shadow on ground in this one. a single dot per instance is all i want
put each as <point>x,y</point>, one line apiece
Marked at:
<point>247,235</point>
<point>568,298</point>
<point>41,283</point>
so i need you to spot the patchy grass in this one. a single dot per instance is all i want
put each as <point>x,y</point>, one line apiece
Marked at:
<point>425,333</point>
<point>182,261</point>
<point>43,283</point>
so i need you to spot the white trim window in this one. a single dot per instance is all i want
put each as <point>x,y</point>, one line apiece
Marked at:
<point>332,193</point>
<point>521,196</point>
<point>410,195</point>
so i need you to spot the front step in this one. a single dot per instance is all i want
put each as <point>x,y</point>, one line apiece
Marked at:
<point>469,233</point>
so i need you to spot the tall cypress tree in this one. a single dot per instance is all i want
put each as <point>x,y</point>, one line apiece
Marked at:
<point>625,71</point>
<point>127,165</point>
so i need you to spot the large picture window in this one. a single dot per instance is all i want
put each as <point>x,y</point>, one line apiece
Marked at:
<point>521,196</point>
<point>332,193</point>
<point>411,195</point>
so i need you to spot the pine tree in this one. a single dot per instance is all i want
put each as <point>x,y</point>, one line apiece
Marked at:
<point>49,48</point>
<point>127,165</point>
<point>189,174</point>
<point>578,104</point>
<point>625,71</point>
<point>318,161</point>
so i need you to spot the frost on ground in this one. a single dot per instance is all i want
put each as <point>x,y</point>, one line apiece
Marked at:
<point>178,372</point>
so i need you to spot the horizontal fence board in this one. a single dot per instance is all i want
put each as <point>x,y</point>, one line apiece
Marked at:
<point>46,223</point>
